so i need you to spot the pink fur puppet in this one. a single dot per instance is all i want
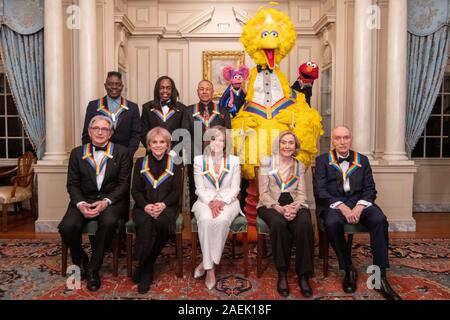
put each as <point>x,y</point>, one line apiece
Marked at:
<point>234,96</point>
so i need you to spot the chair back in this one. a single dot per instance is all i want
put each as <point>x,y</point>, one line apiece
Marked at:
<point>25,170</point>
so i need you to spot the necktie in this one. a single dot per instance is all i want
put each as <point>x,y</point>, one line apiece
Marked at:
<point>206,112</point>
<point>348,159</point>
<point>97,148</point>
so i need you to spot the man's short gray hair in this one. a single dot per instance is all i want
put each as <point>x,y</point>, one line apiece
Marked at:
<point>100,117</point>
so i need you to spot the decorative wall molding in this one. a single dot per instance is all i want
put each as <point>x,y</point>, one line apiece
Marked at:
<point>324,22</point>
<point>240,16</point>
<point>125,22</point>
<point>195,22</point>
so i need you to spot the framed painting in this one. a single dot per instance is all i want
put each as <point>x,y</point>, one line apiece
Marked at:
<point>214,62</point>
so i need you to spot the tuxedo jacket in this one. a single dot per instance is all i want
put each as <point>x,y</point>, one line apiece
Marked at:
<point>128,129</point>
<point>81,177</point>
<point>190,118</point>
<point>329,181</point>
<point>152,117</point>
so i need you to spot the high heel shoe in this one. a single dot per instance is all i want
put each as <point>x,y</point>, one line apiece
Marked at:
<point>199,271</point>
<point>211,284</point>
<point>210,280</point>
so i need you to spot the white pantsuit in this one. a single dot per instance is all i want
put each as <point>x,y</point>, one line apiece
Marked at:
<point>209,186</point>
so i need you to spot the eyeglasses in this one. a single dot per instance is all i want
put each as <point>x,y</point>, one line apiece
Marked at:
<point>98,129</point>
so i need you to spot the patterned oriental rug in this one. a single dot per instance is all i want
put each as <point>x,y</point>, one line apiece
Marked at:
<point>30,269</point>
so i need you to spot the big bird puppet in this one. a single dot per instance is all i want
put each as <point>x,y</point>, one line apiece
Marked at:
<point>271,106</point>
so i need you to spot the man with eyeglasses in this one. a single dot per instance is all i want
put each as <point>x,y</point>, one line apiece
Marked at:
<point>98,177</point>
<point>123,113</point>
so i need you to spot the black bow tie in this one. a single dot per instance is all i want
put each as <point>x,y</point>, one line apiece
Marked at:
<point>348,159</point>
<point>263,68</point>
<point>100,148</point>
<point>165,103</point>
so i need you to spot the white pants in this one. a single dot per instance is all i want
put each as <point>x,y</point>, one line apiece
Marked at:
<point>213,232</point>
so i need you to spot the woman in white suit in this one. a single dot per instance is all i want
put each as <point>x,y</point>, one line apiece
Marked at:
<point>217,176</point>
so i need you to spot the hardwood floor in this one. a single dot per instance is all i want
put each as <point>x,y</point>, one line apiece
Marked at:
<point>429,225</point>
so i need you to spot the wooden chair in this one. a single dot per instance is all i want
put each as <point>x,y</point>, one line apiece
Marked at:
<point>90,229</point>
<point>324,244</point>
<point>130,228</point>
<point>262,230</point>
<point>21,188</point>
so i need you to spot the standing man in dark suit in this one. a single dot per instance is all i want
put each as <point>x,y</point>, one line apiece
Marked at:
<point>123,113</point>
<point>164,111</point>
<point>345,193</point>
<point>197,118</point>
<point>97,180</point>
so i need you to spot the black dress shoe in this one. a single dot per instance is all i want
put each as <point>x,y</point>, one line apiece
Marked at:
<point>305,288</point>
<point>282,286</point>
<point>93,280</point>
<point>349,283</point>
<point>136,277</point>
<point>146,281</point>
<point>387,291</point>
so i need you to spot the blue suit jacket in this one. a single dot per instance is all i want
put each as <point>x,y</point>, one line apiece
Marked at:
<point>329,182</point>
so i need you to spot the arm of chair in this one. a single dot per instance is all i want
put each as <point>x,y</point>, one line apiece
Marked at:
<point>14,180</point>
<point>5,173</point>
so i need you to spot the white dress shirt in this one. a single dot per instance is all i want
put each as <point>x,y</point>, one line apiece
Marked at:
<point>98,156</point>
<point>344,166</point>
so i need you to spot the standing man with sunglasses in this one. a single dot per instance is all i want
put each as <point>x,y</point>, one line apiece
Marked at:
<point>124,114</point>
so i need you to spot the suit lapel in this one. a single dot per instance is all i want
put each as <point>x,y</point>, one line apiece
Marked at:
<point>103,109</point>
<point>109,166</point>
<point>122,115</point>
<point>333,163</point>
<point>89,169</point>
<point>340,181</point>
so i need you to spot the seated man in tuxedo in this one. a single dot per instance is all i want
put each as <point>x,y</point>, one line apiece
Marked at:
<point>345,191</point>
<point>97,182</point>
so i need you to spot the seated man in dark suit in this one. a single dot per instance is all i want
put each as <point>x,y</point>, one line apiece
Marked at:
<point>123,113</point>
<point>345,191</point>
<point>97,181</point>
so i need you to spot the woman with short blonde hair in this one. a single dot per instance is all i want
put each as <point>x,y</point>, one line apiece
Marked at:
<point>155,190</point>
<point>282,205</point>
<point>164,133</point>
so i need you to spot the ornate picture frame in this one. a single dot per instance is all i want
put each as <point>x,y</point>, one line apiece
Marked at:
<point>213,63</point>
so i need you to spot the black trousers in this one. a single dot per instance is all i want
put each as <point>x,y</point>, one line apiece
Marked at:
<point>192,196</point>
<point>284,233</point>
<point>152,234</point>
<point>372,218</point>
<point>71,228</point>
